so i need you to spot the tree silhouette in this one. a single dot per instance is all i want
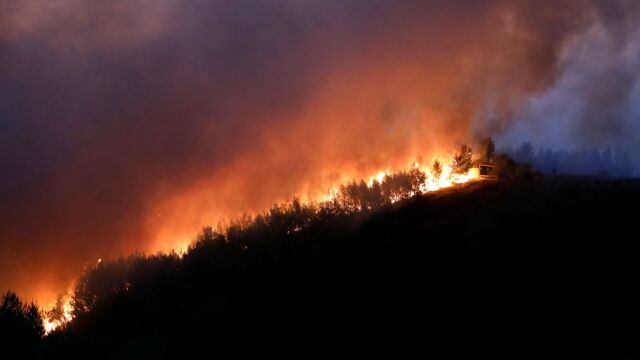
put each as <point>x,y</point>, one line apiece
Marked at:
<point>417,179</point>
<point>273,285</point>
<point>57,312</point>
<point>436,169</point>
<point>349,196</point>
<point>397,186</point>
<point>462,161</point>
<point>370,196</point>
<point>524,154</point>
<point>487,150</point>
<point>504,166</point>
<point>20,323</point>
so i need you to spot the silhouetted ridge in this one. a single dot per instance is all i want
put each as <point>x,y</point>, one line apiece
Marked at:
<point>519,268</point>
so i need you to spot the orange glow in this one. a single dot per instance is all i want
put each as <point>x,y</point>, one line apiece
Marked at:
<point>178,219</point>
<point>378,177</point>
<point>175,232</point>
<point>50,323</point>
<point>59,310</point>
<point>244,113</point>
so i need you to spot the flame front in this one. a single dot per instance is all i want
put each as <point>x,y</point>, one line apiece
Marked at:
<point>175,219</point>
<point>435,178</point>
<point>51,322</point>
<point>433,181</point>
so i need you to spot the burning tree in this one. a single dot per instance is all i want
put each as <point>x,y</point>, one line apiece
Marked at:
<point>395,186</point>
<point>350,196</point>
<point>436,169</point>
<point>417,178</point>
<point>462,161</point>
<point>371,196</point>
<point>57,311</point>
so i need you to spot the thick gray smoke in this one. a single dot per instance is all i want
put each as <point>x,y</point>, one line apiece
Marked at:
<point>594,102</point>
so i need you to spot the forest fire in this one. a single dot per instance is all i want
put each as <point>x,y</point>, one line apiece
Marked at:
<point>429,178</point>
<point>319,136</point>
<point>60,313</point>
<point>388,186</point>
<point>60,310</point>
<point>173,220</point>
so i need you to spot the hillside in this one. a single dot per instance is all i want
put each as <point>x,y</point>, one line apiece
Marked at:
<point>520,268</point>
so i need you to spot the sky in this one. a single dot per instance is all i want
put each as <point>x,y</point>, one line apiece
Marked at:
<point>128,125</point>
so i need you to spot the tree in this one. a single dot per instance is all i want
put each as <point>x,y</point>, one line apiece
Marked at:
<point>375,198</point>
<point>487,150</point>
<point>57,312</point>
<point>370,196</point>
<point>417,178</point>
<point>525,153</point>
<point>462,161</point>
<point>20,323</point>
<point>504,166</point>
<point>363,195</point>
<point>397,186</point>
<point>436,169</point>
<point>349,196</point>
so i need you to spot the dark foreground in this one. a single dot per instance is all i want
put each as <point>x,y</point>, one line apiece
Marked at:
<point>520,269</point>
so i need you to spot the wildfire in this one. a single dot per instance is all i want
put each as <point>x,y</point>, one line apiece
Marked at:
<point>60,314</point>
<point>441,177</point>
<point>437,175</point>
<point>61,310</point>
<point>378,177</point>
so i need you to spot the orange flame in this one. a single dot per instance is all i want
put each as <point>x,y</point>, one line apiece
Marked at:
<point>179,241</point>
<point>50,324</point>
<point>446,178</point>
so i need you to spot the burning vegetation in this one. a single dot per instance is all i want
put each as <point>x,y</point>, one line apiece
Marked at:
<point>198,111</point>
<point>59,314</point>
<point>125,138</point>
<point>300,279</point>
<point>385,188</point>
<point>382,189</point>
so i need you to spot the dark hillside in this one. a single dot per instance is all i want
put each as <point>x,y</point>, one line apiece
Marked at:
<point>517,269</point>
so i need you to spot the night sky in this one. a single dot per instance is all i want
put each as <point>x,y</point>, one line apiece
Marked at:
<point>128,125</point>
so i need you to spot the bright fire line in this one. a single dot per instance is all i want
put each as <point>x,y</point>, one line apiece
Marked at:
<point>433,181</point>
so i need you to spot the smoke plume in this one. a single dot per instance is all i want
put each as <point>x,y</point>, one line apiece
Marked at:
<point>127,125</point>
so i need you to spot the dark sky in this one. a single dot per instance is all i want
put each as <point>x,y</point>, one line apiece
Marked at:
<point>128,124</point>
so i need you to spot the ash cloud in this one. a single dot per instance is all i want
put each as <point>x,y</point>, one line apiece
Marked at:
<point>595,100</point>
<point>126,123</point>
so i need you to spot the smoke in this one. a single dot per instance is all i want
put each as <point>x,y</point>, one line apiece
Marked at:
<point>127,125</point>
<point>595,99</point>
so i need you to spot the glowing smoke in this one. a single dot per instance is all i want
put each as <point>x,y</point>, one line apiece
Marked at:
<point>129,124</point>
